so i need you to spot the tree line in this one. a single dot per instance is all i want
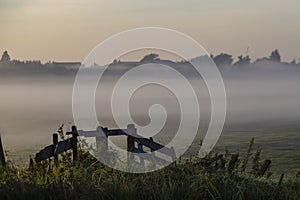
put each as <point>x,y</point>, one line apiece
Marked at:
<point>10,66</point>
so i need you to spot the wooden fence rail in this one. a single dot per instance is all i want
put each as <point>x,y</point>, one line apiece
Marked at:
<point>101,134</point>
<point>59,147</point>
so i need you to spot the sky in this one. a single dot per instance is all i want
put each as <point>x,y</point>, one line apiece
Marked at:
<point>65,30</point>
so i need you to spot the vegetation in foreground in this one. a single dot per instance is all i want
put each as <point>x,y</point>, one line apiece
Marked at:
<point>214,177</point>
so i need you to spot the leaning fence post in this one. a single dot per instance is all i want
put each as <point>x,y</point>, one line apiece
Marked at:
<point>31,164</point>
<point>74,142</point>
<point>2,156</point>
<point>152,152</point>
<point>102,139</point>
<point>278,186</point>
<point>173,155</point>
<point>131,130</point>
<point>55,146</point>
<point>140,147</point>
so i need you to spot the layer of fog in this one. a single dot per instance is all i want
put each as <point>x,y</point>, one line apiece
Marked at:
<point>33,107</point>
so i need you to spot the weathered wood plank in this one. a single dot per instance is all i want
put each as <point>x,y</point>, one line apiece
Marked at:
<point>50,151</point>
<point>131,130</point>
<point>55,145</point>
<point>148,143</point>
<point>154,146</point>
<point>44,154</point>
<point>99,132</point>
<point>74,143</point>
<point>130,142</point>
<point>64,146</point>
<point>89,133</point>
<point>117,132</point>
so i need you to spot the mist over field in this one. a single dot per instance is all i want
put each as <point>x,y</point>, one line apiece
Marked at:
<point>35,103</point>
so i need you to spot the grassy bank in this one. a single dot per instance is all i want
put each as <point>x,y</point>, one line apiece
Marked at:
<point>188,179</point>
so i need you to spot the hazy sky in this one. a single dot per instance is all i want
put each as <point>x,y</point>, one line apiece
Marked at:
<point>66,30</point>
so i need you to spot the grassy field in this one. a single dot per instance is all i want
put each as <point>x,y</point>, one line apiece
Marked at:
<point>188,179</point>
<point>279,142</point>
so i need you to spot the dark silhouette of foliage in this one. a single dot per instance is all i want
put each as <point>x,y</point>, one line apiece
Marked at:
<point>275,56</point>
<point>242,61</point>
<point>31,67</point>
<point>5,57</point>
<point>248,155</point>
<point>223,59</point>
<point>293,62</point>
<point>194,179</point>
<point>150,57</point>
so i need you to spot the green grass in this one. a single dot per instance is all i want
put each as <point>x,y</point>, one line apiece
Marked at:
<point>191,178</point>
<point>280,142</point>
<point>188,179</point>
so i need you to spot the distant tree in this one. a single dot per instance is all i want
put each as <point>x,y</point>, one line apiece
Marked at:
<point>116,61</point>
<point>223,59</point>
<point>150,57</point>
<point>243,60</point>
<point>275,56</point>
<point>293,62</point>
<point>5,56</point>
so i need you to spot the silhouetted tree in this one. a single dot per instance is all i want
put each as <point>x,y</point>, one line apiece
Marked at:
<point>223,59</point>
<point>275,56</point>
<point>293,62</point>
<point>115,61</point>
<point>243,60</point>
<point>150,57</point>
<point>5,56</point>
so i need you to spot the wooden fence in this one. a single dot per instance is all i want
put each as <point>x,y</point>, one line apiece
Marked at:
<point>59,147</point>
<point>135,144</point>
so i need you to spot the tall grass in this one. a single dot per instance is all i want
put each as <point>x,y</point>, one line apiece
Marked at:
<point>189,179</point>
